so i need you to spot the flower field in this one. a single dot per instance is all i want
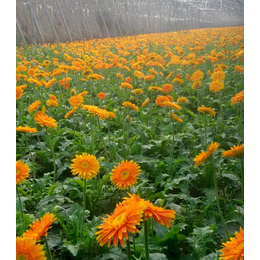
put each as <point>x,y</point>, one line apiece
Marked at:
<point>131,147</point>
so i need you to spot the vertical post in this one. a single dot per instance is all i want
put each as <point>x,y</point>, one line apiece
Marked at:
<point>81,7</point>
<point>38,28</point>
<point>44,3</point>
<point>63,19</point>
<point>75,20</point>
<point>30,3</point>
<point>114,10</point>
<point>100,11</point>
<point>20,31</point>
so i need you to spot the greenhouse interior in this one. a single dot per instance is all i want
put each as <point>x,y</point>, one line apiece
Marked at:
<point>129,129</point>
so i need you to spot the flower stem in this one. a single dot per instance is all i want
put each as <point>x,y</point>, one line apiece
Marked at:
<point>205,126</point>
<point>129,257</point>
<point>242,178</point>
<point>105,147</point>
<point>146,240</point>
<point>217,198</point>
<point>20,204</point>
<point>34,170</point>
<point>84,205</point>
<point>53,156</point>
<point>47,249</point>
<point>92,135</point>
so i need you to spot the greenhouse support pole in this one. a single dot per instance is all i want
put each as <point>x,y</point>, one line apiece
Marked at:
<point>38,28</point>
<point>83,13</point>
<point>115,12</point>
<point>63,19</point>
<point>20,31</point>
<point>30,3</point>
<point>44,3</point>
<point>73,15</point>
<point>100,11</point>
<point>95,20</point>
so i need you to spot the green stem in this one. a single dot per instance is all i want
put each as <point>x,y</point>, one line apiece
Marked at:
<point>53,155</point>
<point>129,257</point>
<point>217,198</point>
<point>197,98</point>
<point>134,242</point>
<point>47,249</point>
<point>84,204</point>
<point>34,170</point>
<point>92,135</point>
<point>20,204</point>
<point>146,240</point>
<point>242,178</point>
<point>205,126</point>
<point>105,147</point>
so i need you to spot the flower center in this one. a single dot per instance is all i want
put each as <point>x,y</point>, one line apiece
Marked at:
<point>85,165</point>
<point>119,220</point>
<point>22,257</point>
<point>125,174</point>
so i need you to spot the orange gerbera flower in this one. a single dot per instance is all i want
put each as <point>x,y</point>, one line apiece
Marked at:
<point>196,85</point>
<point>159,214</point>
<point>126,85</point>
<point>120,76</point>
<point>76,101</point>
<point>52,102</point>
<point>236,151</point>
<point>203,156</point>
<point>234,249</point>
<point>44,120</point>
<point>176,118</point>
<point>101,95</point>
<point>35,105</point>
<point>26,129</point>
<point>239,97</point>
<point>71,112</point>
<point>130,105</point>
<point>40,227</point>
<point>95,77</point>
<point>177,81</point>
<point>145,103</point>
<point>216,86</point>
<point>22,172</point>
<point>172,105</point>
<point>155,88</point>
<point>161,101</point>
<point>85,165</point>
<point>167,88</point>
<point>197,75</point>
<point>138,91</point>
<point>96,111</point>
<point>182,100</point>
<point>239,68</point>
<point>125,174</point>
<point>26,248</point>
<point>116,226</point>
<point>19,92</point>
<point>207,110</point>
<point>218,75</point>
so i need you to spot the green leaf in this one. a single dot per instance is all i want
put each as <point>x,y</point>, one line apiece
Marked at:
<point>157,256</point>
<point>212,256</point>
<point>230,176</point>
<point>114,254</point>
<point>72,248</point>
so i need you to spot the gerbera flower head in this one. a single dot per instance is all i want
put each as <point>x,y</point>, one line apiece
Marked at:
<point>155,88</point>
<point>22,172</point>
<point>40,227</point>
<point>145,103</point>
<point>182,100</point>
<point>85,165</point>
<point>96,111</point>
<point>119,76</point>
<point>44,120</point>
<point>218,75</point>
<point>52,103</point>
<point>125,174</point>
<point>212,148</point>
<point>172,105</point>
<point>239,97</point>
<point>167,88</point>
<point>76,101</point>
<point>216,86</point>
<point>101,95</point>
<point>35,105</point>
<point>196,84</point>
<point>130,105</point>
<point>19,92</point>
<point>87,72</point>
<point>159,214</point>
<point>177,81</point>
<point>124,219</point>
<point>71,112</point>
<point>233,249</point>
<point>26,129</point>
<point>138,91</point>
<point>239,68</point>
<point>207,110</point>
<point>236,151</point>
<point>176,118</point>
<point>26,248</point>
<point>197,75</point>
<point>161,101</point>
<point>201,158</point>
<point>126,85</point>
